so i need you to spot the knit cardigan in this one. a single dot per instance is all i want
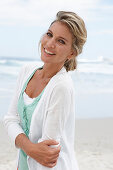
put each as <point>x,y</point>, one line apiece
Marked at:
<point>53,117</point>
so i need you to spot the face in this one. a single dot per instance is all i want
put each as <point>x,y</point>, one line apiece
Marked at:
<point>56,44</point>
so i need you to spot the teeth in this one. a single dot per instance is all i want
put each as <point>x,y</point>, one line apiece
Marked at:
<point>48,52</point>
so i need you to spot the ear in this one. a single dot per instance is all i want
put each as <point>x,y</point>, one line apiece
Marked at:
<point>72,55</point>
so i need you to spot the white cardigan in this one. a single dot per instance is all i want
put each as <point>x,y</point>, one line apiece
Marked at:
<point>53,118</point>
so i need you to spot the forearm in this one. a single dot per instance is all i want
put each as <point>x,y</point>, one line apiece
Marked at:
<point>23,143</point>
<point>41,152</point>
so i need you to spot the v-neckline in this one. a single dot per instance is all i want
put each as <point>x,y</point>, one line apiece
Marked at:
<point>24,87</point>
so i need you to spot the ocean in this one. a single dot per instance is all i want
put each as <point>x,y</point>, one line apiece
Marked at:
<point>93,82</point>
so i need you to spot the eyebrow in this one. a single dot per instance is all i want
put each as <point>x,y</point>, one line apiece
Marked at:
<point>59,37</point>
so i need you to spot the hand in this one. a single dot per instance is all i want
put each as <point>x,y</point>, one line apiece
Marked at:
<point>44,154</point>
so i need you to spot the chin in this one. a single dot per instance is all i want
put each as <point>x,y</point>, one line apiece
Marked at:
<point>45,60</point>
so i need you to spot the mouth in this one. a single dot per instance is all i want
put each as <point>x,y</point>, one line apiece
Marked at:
<point>48,52</point>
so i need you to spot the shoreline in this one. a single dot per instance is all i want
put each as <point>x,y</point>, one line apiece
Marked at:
<point>93,145</point>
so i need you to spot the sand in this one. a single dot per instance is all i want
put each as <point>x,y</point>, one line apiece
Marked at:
<point>93,145</point>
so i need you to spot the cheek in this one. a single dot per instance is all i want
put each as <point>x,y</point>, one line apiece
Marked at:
<point>65,51</point>
<point>43,40</point>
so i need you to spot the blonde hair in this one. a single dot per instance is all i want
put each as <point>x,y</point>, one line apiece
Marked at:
<point>77,27</point>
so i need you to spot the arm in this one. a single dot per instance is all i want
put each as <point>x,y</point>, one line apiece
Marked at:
<point>11,119</point>
<point>41,152</point>
<point>57,113</point>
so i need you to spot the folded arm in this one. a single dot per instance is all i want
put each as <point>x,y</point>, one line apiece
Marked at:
<point>41,152</point>
<point>57,113</point>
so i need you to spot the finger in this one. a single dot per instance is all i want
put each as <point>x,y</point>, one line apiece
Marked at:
<point>56,150</point>
<point>55,156</point>
<point>51,142</point>
<point>53,159</point>
<point>51,165</point>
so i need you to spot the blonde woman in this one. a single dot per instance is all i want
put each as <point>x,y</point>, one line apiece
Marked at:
<point>41,117</point>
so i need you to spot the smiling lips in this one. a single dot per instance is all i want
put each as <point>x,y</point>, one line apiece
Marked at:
<point>48,52</point>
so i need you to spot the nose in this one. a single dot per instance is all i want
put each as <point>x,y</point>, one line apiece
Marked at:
<point>51,43</point>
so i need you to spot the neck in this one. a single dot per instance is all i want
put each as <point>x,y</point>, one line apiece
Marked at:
<point>49,70</point>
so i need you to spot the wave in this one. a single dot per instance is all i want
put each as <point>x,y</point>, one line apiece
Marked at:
<point>6,90</point>
<point>108,60</point>
<point>11,61</point>
<point>101,66</point>
<point>100,59</point>
<point>8,75</point>
<point>16,61</point>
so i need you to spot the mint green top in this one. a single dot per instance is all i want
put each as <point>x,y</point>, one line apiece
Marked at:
<point>26,112</point>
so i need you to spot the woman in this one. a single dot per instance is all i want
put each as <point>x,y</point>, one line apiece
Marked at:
<point>41,118</point>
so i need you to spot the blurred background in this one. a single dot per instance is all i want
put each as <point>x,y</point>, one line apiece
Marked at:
<point>22,23</point>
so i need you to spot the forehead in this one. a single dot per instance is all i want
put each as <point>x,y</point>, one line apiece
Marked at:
<point>60,29</point>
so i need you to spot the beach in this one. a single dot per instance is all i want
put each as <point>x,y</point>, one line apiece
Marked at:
<point>93,145</point>
<point>93,83</point>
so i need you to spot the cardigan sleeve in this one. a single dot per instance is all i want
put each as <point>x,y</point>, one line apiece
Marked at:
<point>11,119</point>
<point>57,113</point>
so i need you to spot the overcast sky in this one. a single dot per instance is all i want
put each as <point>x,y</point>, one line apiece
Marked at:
<point>22,22</point>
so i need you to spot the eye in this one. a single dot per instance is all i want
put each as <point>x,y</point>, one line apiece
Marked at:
<point>61,41</point>
<point>49,34</point>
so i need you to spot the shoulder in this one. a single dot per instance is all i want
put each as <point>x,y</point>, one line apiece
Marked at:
<point>30,66</point>
<point>27,69</point>
<point>63,89</point>
<point>62,94</point>
<point>64,83</point>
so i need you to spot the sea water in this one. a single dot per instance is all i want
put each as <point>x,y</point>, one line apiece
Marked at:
<point>93,82</point>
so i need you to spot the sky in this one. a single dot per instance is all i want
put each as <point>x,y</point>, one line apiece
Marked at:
<point>23,22</point>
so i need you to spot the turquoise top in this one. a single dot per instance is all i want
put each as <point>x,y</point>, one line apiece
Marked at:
<point>26,112</point>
